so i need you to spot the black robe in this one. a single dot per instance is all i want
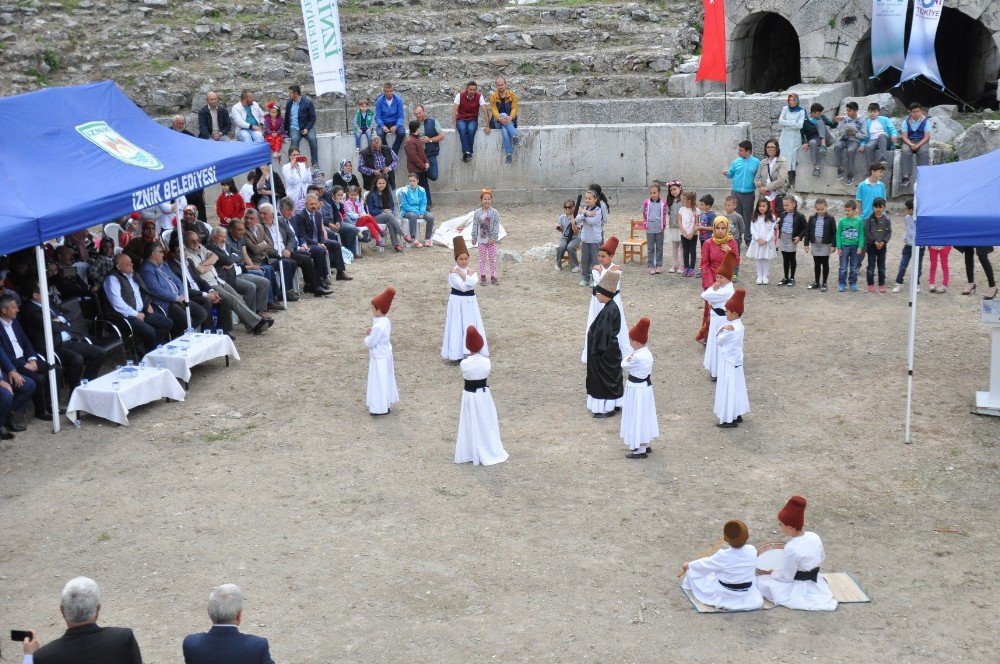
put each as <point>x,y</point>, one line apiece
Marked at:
<point>604,355</point>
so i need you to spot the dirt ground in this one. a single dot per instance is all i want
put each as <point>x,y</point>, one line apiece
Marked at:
<point>359,540</point>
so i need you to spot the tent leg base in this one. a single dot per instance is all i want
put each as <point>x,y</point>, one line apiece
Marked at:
<point>986,405</point>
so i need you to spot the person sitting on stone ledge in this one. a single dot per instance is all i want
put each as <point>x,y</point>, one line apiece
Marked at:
<point>214,122</point>
<point>503,116</point>
<point>465,113</point>
<point>378,159</point>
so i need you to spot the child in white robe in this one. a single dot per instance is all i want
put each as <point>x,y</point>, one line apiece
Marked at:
<point>382,391</point>
<point>797,583</point>
<point>478,431</point>
<point>605,262</point>
<point>463,308</point>
<point>731,400</point>
<point>716,296</point>
<point>639,425</point>
<point>726,579</point>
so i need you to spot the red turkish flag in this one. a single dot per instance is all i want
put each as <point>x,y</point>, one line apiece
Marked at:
<point>713,43</point>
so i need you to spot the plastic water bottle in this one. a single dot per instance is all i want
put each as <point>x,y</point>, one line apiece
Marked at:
<point>215,317</point>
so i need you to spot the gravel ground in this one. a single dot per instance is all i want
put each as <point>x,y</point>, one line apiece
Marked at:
<point>358,540</point>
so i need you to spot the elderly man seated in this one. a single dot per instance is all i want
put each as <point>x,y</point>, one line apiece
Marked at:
<point>254,288</point>
<point>225,642</point>
<point>260,253</point>
<point>236,245</point>
<point>84,642</point>
<point>202,262</point>
<point>130,299</point>
<point>167,291</point>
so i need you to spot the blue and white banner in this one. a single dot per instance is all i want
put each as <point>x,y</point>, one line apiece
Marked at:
<point>888,29</point>
<point>326,48</point>
<point>920,57</point>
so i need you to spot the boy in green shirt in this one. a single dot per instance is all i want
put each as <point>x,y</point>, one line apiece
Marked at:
<point>850,244</point>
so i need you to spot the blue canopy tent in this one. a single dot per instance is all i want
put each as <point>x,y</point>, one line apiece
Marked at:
<point>956,204</point>
<point>78,156</point>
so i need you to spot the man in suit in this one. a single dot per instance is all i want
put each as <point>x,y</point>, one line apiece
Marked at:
<point>260,252</point>
<point>214,122</point>
<point>224,643</point>
<point>311,233</point>
<point>255,289</point>
<point>300,121</point>
<point>84,642</point>
<point>167,291</point>
<point>78,358</point>
<point>206,295</point>
<point>130,299</point>
<point>281,240</point>
<point>15,393</point>
<point>21,353</point>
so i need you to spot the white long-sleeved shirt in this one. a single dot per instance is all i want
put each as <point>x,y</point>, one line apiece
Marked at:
<point>639,363</point>
<point>112,288</point>
<point>377,341</point>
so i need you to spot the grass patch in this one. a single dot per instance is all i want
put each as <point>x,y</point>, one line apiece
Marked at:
<point>158,65</point>
<point>104,537</point>
<point>42,79</point>
<point>217,436</point>
<point>449,493</point>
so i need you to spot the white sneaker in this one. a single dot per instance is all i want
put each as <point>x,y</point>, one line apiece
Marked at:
<point>933,288</point>
<point>759,281</point>
<point>575,269</point>
<point>558,268</point>
<point>766,282</point>
<point>897,288</point>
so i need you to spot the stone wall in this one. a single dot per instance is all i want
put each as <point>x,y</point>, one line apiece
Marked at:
<point>554,162</point>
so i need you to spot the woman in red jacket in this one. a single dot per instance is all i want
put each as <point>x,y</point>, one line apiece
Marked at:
<point>230,205</point>
<point>712,252</point>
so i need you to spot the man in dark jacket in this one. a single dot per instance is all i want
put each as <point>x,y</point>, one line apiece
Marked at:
<point>378,159</point>
<point>300,121</point>
<point>214,122</point>
<point>225,642</point>
<point>84,642</point>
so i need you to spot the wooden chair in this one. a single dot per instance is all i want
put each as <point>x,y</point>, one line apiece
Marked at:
<point>634,247</point>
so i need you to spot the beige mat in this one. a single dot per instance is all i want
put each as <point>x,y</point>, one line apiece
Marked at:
<point>844,588</point>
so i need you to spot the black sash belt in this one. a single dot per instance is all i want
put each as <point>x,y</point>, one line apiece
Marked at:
<point>811,575</point>
<point>742,587</point>
<point>475,385</point>
<point>718,312</point>
<point>463,293</point>
<point>646,380</point>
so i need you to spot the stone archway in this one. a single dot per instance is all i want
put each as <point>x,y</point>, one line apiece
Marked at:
<point>765,54</point>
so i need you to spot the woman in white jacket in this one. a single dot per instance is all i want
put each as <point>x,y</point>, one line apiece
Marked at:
<point>298,176</point>
<point>791,119</point>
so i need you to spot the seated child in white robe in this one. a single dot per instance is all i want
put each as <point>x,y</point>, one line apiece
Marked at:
<point>725,579</point>
<point>797,583</point>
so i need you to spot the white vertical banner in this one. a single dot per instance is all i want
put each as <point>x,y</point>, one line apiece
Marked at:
<point>326,48</point>
<point>920,57</point>
<point>888,29</point>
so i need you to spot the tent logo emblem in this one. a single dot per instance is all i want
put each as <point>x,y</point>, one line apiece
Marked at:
<point>109,140</point>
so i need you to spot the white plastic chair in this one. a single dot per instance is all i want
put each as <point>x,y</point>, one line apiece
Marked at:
<point>112,232</point>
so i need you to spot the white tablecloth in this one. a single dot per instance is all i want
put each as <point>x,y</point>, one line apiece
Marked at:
<point>202,348</point>
<point>98,397</point>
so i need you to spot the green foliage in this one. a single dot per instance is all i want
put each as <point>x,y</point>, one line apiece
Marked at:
<point>51,58</point>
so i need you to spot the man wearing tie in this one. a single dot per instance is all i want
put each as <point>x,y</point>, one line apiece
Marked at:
<point>311,232</point>
<point>78,358</point>
<point>28,366</point>
<point>281,241</point>
<point>168,291</point>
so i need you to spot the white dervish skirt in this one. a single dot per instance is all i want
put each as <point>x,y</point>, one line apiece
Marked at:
<point>463,311</point>
<point>382,391</point>
<point>478,430</point>
<point>639,425</point>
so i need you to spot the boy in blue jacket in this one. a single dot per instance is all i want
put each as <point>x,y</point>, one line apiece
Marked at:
<point>879,132</point>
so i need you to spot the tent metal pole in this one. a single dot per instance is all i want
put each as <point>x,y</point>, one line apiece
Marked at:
<point>179,228</point>
<point>274,216</point>
<point>914,282</point>
<point>43,287</point>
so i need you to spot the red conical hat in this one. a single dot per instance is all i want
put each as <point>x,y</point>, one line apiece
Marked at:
<point>473,340</point>
<point>793,514</point>
<point>735,303</point>
<point>640,331</point>
<point>383,300</point>
<point>729,263</point>
<point>610,246</point>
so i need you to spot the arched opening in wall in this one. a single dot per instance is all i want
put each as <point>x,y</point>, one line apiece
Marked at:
<point>967,59</point>
<point>765,54</point>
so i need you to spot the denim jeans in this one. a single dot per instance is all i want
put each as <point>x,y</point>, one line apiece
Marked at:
<point>432,170</point>
<point>876,257</point>
<point>295,137</point>
<point>349,237</point>
<point>508,131</point>
<point>654,244</point>
<point>848,271</point>
<point>467,134</point>
<point>367,135</point>
<point>400,136</point>
<point>904,262</point>
<point>267,272</point>
<point>249,136</point>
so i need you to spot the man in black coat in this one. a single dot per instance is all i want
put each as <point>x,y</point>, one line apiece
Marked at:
<point>27,362</point>
<point>84,642</point>
<point>214,122</point>
<point>604,356</point>
<point>78,358</point>
<point>378,159</point>
<point>310,232</point>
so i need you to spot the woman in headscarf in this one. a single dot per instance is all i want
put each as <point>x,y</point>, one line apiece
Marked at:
<point>713,251</point>
<point>791,119</point>
<point>345,177</point>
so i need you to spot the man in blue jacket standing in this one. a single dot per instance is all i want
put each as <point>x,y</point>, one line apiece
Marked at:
<point>225,643</point>
<point>300,121</point>
<point>742,172</point>
<point>389,116</point>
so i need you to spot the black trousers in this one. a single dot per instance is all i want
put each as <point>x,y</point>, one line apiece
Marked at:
<point>336,255</point>
<point>152,330</point>
<point>789,262</point>
<point>305,263</point>
<point>821,264</point>
<point>178,317</point>
<point>983,253</point>
<point>41,377</point>
<point>80,360</point>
